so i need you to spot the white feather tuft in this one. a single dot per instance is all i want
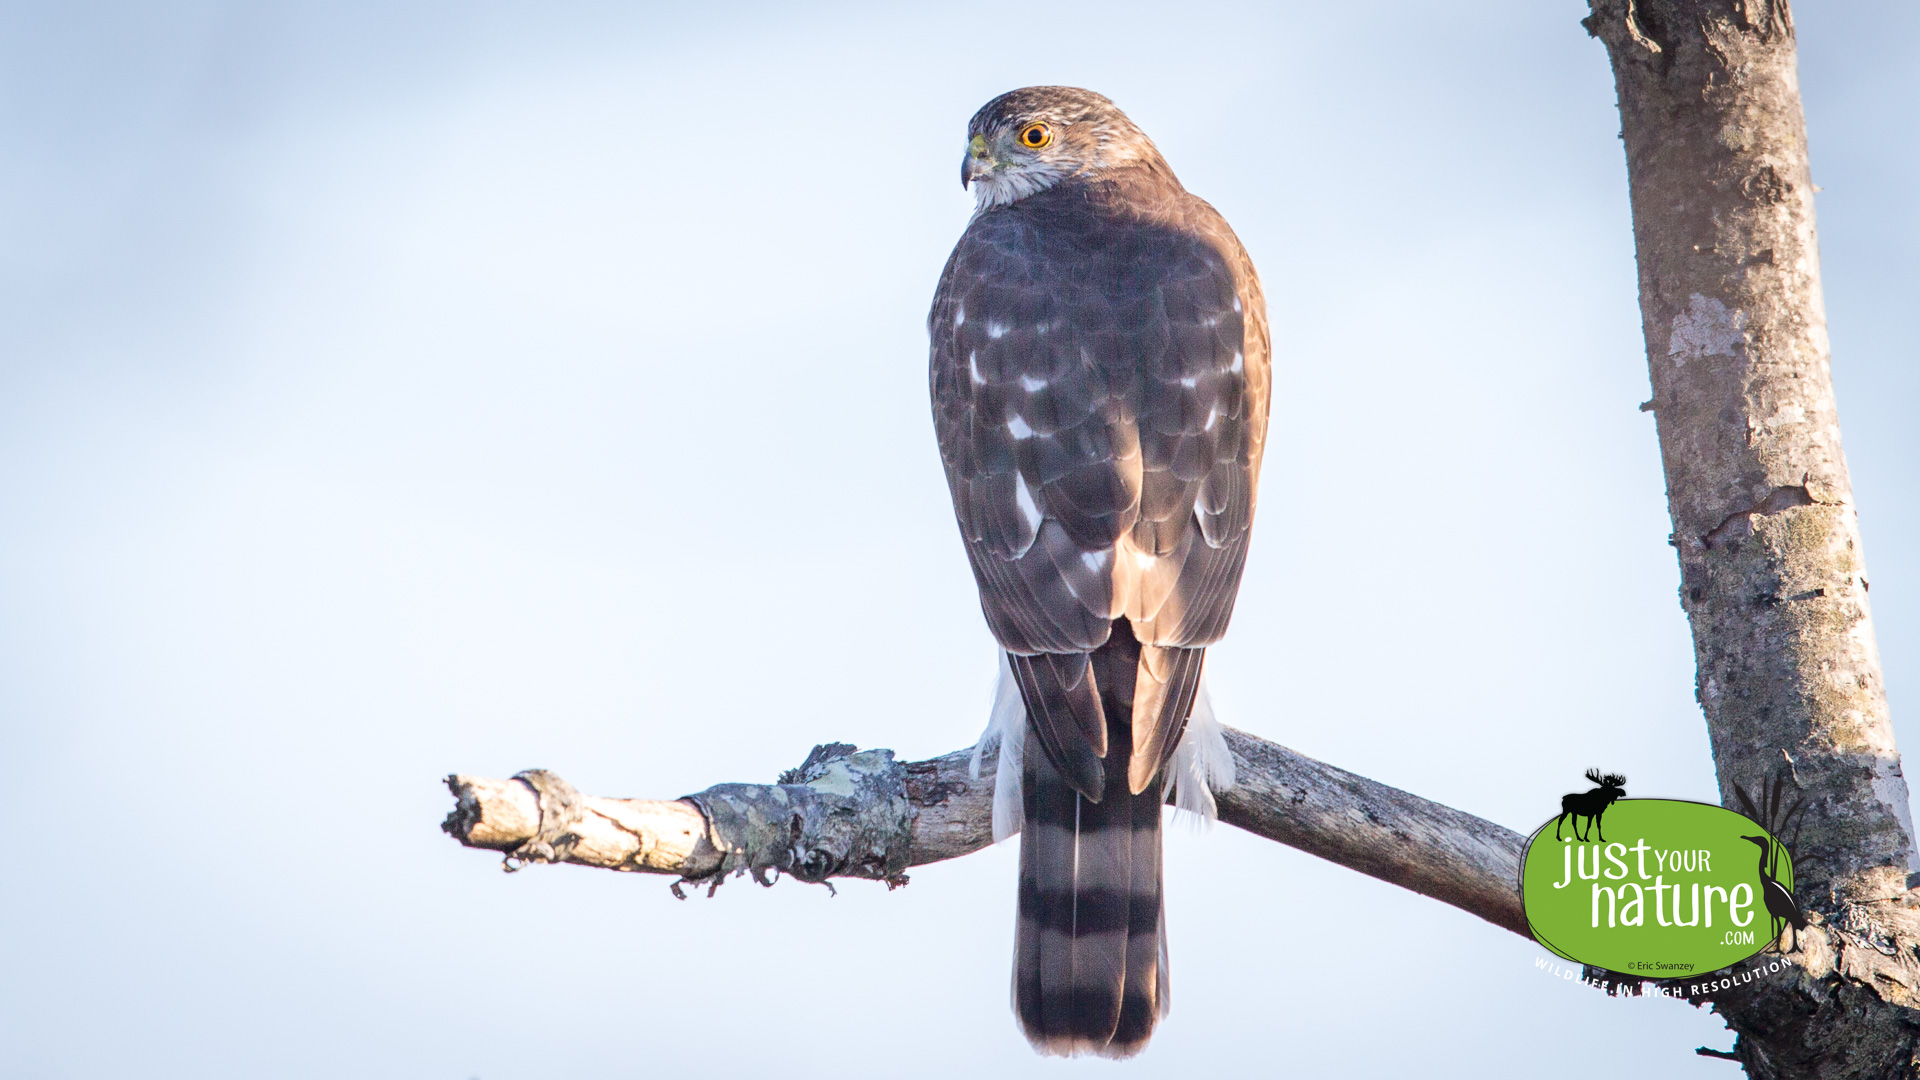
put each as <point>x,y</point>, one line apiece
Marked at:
<point>1201,764</point>
<point>1006,729</point>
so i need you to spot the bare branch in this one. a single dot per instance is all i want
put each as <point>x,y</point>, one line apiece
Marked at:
<point>1381,831</point>
<point>848,814</point>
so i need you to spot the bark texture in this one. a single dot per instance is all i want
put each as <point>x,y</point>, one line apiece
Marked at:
<point>848,813</point>
<point>1772,575</point>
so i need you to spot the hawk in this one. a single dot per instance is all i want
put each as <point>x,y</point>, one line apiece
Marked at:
<point>1100,384</point>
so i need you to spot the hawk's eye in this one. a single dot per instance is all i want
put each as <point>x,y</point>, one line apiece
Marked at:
<point>1035,136</point>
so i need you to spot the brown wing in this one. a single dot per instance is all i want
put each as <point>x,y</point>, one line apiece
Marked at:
<point>1099,380</point>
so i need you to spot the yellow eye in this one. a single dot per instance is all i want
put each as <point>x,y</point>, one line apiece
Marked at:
<point>1035,136</point>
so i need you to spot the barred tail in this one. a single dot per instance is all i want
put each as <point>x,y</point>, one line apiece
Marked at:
<point>1090,958</point>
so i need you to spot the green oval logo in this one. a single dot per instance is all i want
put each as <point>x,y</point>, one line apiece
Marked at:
<point>1667,889</point>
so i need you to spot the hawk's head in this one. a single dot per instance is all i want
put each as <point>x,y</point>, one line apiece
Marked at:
<point>1027,140</point>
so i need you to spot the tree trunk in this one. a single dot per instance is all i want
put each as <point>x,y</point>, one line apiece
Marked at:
<point>1771,573</point>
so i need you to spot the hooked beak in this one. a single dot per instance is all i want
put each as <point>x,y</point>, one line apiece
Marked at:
<point>978,162</point>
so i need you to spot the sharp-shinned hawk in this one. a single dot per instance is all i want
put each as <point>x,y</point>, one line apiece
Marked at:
<point>1100,385</point>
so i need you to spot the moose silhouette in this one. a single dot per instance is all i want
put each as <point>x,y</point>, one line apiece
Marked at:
<point>1591,804</point>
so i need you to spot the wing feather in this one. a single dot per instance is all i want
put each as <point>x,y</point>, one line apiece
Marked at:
<point>1100,388</point>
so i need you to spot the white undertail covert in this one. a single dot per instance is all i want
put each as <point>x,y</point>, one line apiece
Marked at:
<point>1201,764</point>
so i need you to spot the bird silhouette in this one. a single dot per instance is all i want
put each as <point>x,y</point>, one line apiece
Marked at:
<point>1780,903</point>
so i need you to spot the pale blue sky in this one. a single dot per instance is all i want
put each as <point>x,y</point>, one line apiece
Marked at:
<point>394,389</point>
